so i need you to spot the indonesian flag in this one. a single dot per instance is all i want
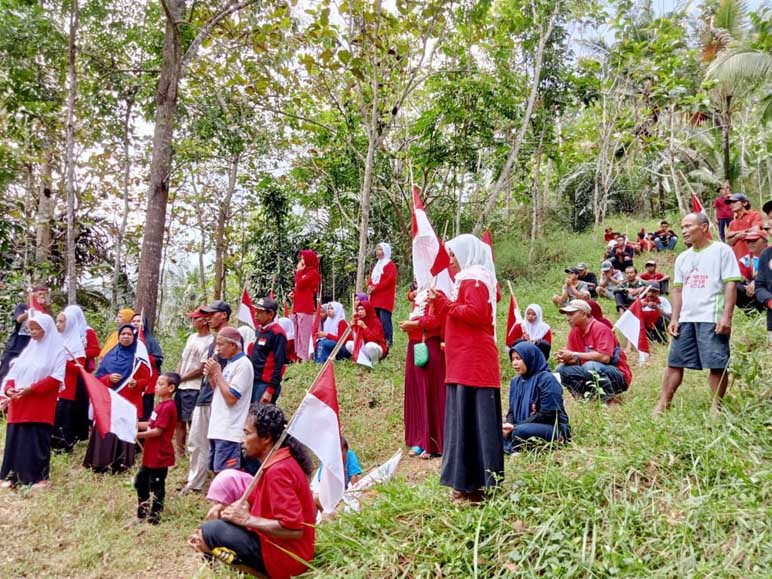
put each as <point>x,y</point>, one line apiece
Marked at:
<point>316,424</point>
<point>359,355</point>
<point>430,259</point>
<point>32,304</point>
<point>246,311</point>
<point>514,317</point>
<point>633,327</point>
<point>698,208</point>
<point>315,329</point>
<point>112,412</point>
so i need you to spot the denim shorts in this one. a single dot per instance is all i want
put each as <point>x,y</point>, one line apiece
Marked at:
<point>224,454</point>
<point>699,347</point>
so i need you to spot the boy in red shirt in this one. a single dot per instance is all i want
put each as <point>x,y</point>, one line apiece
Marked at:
<point>158,453</point>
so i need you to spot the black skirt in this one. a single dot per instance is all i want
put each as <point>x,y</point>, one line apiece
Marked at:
<point>64,437</point>
<point>27,455</point>
<point>473,456</point>
<point>109,454</point>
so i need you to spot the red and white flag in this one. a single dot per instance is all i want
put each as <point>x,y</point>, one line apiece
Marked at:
<point>358,354</point>
<point>633,327</point>
<point>112,412</point>
<point>698,208</point>
<point>514,317</point>
<point>315,329</point>
<point>32,304</point>
<point>430,259</point>
<point>246,312</point>
<point>316,424</point>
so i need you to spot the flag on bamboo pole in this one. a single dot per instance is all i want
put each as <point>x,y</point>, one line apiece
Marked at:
<point>514,317</point>
<point>430,258</point>
<point>112,412</point>
<point>633,327</point>
<point>246,311</point>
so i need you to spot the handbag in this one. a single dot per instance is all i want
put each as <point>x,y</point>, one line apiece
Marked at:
<point>421,354</point>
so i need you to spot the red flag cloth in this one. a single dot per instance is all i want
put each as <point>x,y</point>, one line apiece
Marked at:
<point>514,317</point>
<point>246,311</point>
<point>633,327</point>
<point>112,412</point>
<point>316,424</point>
<point>272,295</point>
<point>698,208</point>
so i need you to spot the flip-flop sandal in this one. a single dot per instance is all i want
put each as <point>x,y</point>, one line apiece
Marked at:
<point>425,455</point>
<point>415,451</point>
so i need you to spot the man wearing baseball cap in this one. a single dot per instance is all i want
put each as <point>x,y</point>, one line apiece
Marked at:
<point>572,289</point>
<point>757,240</point>
<point>744,220</point>
<point>592,358</point>
<point>589,278</point>
<point>269,353</point>
<point>610,279</point>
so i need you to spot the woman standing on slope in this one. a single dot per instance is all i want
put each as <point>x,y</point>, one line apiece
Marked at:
<point>303,297</point>
<point>473,454</point>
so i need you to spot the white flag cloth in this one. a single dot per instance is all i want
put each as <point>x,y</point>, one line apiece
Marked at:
<point>111,411</point>
<point>632,326</point>
<point>316,425</point>
<point>379,474</point>
<point>430,260</point>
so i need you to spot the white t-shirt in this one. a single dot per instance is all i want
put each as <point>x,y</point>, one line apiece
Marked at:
<point>702,274</point>
<point>227,422</point>
<point>193,355</point>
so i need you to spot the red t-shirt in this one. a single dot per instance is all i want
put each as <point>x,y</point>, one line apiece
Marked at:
<point>283,494</point>
<point>159,451</point>
<point>656,276</point>
<point>306,286</point>
<point>598,338</point>
<point>71,379</point>
<point>748,220</point>
<point>471,356</point>
<point>38,405</point>
<point>723,210</point>
<point>382,295</point>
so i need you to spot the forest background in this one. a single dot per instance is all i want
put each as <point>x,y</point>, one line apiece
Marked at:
<point>165,153</point>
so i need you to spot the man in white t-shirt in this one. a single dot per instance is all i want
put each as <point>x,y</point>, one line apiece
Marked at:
<point>191,370</point>
<point>232,394</point>
<point>704,294</point>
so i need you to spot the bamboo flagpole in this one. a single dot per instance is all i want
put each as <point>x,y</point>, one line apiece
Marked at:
<point>283,437</point>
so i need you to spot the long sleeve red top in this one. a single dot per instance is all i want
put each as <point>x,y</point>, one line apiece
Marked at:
<point>383,293</point>
<point>37,405</point>
<point>71,379</point>
<point>471,356</point>
<point>306,286</point>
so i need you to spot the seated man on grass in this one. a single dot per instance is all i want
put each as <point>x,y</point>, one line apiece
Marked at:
<point>757,242</point>
<point>573,289</point>
<point>592,363</point>
<point>610,279</point>
<point>629,289</point>
<point>656,313</point>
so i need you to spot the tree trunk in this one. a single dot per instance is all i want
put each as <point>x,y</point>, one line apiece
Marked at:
<point>126,138</point>
<point>223,213</point>
<point>364,206</point>
<point>160,166</point>
<point>45,211</point>
<point>71,277</point>
<point>726,128</point>
<point>535,201</point>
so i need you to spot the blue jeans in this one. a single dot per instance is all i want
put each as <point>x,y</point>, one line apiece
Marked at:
<point>385,317</point>
<point>325,347</point>
<point>663,246</point>
<point>259,387</point>
<point>581,383</point>
<point>523,432</point>
<point>722,225</point>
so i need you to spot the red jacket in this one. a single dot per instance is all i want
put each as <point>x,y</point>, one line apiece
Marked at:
<point>471,356</point>
<point>517,334</point>
<point>383,293</point>
<point>429,325</point>
<point>71,379</point>
<point>92,349</point>
<point>306,287</point>
<point>37,405</point>
<point>133,395</point>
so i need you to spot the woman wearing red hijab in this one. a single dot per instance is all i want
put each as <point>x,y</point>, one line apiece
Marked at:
<point>304,301</point>
<point>367,324</point>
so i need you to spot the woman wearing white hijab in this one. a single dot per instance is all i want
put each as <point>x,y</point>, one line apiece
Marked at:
<point>533,329</point>
<point>72,406</point>
<point>331,331</point>
<point>382,288</point>
<point>473,454</point>
<point>32,385</point>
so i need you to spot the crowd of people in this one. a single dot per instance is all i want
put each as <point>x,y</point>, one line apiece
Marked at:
<point>219,406</point>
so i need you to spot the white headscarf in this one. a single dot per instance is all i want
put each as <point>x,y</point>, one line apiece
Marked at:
<point>247,334</point>
<point>288,327</point>
<point>331,323</point>
<point>476,262</point>
<point>539,328</point>
<point>74,334</point>
<point>375,276</point>
<point>41,358</point>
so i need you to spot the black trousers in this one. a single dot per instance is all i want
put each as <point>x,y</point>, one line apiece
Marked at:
<point>151,491</point>
<point>233,545</point>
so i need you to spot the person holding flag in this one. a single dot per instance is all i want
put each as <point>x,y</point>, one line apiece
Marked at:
<point>32,385</point>
<point>532,329</point>
<point>72,406</point>
<point>122,371</point>
<point>155,358</point>
<point>369,344</point>
<point>473,453</point>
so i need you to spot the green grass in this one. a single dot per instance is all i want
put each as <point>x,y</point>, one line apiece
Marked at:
<point>683,496</point>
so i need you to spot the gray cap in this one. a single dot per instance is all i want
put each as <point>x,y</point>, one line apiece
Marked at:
<point>606,266</point>
<point>576,306</point>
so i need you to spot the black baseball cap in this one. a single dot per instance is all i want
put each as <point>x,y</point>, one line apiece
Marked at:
<point>736,197</point>
<point>217,306</point>
<point>573,270</point>
<point>767,207</point>
<point>267,304</point>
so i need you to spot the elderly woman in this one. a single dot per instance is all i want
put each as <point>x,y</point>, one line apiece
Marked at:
<point>116,371</point>
<point>123,316</point>
<point>535,401</point>
<point>473,454</point>
<point>32,385</point>
<point>382,288</point>
<point>273,533</point>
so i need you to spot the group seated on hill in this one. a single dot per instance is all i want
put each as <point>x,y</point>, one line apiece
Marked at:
<point>573,288</point>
